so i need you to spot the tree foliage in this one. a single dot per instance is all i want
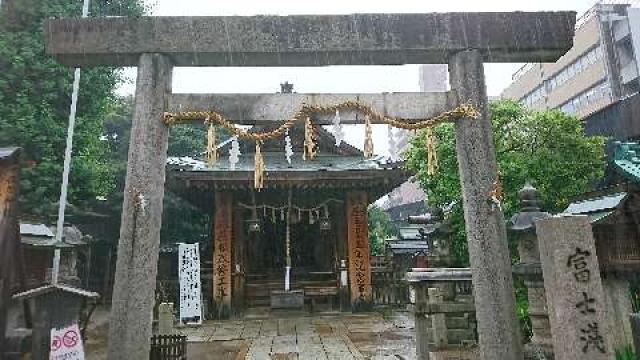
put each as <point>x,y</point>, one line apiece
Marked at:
<point>35,95</point>
<point>380,229</point>
<point>548,148</point>
<point>181,221</point>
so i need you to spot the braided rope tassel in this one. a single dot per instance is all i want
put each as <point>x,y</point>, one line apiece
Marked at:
<point>368,139</point>
<point>309,141</point>
<point>432,158</point>
<point>211,154</point>
<point>258,176</point>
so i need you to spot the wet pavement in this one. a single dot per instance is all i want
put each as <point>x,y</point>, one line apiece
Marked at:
<point>303,336</point>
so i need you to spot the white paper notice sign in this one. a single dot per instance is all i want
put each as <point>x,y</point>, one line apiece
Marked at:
<point>190,290</point>
<point>66,344</point>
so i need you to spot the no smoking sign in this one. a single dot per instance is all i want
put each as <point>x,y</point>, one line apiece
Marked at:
<point>66,344</point>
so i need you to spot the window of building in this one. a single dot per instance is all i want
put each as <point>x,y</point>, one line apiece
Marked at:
<point>587,98</point>
<point>579,65</point>
<point>534,96</point>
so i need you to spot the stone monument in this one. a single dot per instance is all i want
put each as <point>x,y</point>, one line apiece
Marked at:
<point>574,292</point>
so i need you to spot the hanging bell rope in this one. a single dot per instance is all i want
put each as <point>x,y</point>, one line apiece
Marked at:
<point>211,155</point>
<point>432,158</point>
<point>258,176</point>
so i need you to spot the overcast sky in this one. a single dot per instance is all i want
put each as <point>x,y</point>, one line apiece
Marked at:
<point>372,79</point>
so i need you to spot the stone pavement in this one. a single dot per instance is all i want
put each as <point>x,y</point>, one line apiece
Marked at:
<point>304,337</point>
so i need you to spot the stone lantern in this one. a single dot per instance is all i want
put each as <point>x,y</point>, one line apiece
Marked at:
<point>522,225</point>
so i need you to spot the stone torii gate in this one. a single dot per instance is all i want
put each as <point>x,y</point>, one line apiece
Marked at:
<point>156,44</point>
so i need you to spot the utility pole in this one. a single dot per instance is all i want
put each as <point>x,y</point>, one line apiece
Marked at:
<point>67,164</point>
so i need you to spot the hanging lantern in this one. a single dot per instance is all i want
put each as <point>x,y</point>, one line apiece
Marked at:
<point>325,223</point>
<point>253,224</point>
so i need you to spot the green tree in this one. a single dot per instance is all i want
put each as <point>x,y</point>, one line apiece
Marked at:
<point>380,229</point>
<point>35,96</point>
<point>181,220</point>
<point>548,148</point>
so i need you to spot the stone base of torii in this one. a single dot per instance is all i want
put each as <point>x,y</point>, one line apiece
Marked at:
<point>463,40</point>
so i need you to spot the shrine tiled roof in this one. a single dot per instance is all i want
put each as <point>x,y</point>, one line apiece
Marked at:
<point>39,235</point>
<point>334,167</point>
<point>407,246</point>
<point>277,162</point>
<point>6,152</point>
<point>627,160</point>
<point>597,208</point>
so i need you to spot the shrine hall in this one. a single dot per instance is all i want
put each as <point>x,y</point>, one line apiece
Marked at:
<point>299,239</point>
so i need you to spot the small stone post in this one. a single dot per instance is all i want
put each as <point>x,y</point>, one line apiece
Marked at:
<point>498,330</point>
<point>165,319</point>
<point>575,296</point>
<point>438,321</point>
<point>522,224</point>
<point>422,323</point>
<point>137,262</point>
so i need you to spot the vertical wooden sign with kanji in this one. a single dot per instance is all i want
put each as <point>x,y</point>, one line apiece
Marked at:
<point>358,251</point>
<point>11,262</point>
<point>575,297</point>
<point>222,235</point>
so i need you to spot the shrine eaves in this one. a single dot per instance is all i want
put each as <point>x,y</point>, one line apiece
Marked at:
<point>311,40</point>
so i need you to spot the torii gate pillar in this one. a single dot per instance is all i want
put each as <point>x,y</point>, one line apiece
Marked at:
<point>498,330</point>
<point>137,264</point>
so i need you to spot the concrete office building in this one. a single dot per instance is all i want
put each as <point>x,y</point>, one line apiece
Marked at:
<point>601,68</point>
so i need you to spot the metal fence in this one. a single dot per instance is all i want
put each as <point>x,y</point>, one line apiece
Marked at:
<point>168,347</point>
